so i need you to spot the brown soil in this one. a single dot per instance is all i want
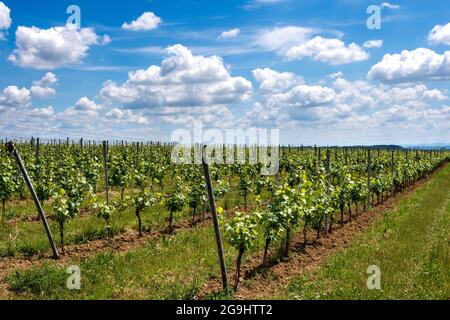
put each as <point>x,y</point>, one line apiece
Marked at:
<point>262,282</point>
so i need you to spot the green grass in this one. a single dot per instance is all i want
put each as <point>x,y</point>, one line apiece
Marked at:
<point>410,244</point>
<point>174,267</point>
<point>154,272</point>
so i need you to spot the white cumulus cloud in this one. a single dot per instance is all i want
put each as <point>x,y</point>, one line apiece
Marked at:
<point>233,33</point>
<point>46,112</point>
<point>86,104</point>
<point>440,35</point>
<point>42,88</point>
<point>339,103</point>
<point>48,79</point>
<point>84,108</point>
<point>297,42</point>
<point>306,96</point>
<point>182,80</point>
<point>147,21</point>
<point>52,48</point>
<point>331,51</point>
<point>373,44</point>
<point>125,116</point>
<point>13,97</point>
<point>42,92</point>
<point>5,18</point>
<point>409,66</point>
<point>272,81</point>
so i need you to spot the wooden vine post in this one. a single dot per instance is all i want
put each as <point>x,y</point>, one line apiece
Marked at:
<point>369,173</point>
<point>320,157</point>
<point>12,149</point>
<point>393,173</point>
<point>327,217</point>
<point>212,202</point>
<point>38,158</point>
<point>105,162</point>
<point>38,146</point>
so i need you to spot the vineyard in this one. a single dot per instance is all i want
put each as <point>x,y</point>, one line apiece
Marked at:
<point>117,208</point>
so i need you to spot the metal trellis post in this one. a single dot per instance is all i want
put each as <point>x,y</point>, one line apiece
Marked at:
<point>212,201</point>
<point>12,149</point>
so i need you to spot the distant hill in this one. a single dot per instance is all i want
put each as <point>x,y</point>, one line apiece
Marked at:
<point>388,147</point>
<point>381,146</point>
<point>429,146</point>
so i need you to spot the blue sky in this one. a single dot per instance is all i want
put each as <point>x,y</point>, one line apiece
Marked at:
<point>305,67</point>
